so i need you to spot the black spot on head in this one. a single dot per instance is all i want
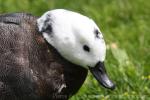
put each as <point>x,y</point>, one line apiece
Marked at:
<point>48,29</point>
<point>47,19</point>
<point>47,26</point>
<point>86,48</point>
<point>96,33</point>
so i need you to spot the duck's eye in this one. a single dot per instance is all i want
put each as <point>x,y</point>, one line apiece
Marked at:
<point>86,48</point>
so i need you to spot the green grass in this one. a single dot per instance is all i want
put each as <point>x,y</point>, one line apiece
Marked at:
<point>126,28</point>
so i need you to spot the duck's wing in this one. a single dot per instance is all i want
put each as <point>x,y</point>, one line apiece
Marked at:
<point>15,75</point>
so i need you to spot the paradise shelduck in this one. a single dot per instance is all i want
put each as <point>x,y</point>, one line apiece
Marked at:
<point>48,57</point>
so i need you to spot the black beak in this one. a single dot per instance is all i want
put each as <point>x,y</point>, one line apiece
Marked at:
<point>100,74</point>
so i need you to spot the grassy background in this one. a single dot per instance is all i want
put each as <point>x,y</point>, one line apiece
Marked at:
<point>126,28</point>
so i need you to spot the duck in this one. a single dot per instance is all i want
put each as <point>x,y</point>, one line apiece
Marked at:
<point>48,57</point>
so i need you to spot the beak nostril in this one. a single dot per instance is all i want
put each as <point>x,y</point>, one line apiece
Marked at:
<point>100,69</point>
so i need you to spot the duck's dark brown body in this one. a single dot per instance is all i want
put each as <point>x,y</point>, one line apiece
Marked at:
<point>30,69</point>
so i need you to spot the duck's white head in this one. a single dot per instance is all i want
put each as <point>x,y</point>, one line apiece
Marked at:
<point>76,37</point>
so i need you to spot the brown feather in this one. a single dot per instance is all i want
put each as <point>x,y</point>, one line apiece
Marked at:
<point>30,68</point>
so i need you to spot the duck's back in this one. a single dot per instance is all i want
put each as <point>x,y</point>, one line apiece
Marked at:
<point>29,67</point>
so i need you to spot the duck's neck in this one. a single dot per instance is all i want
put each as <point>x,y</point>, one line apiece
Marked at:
<point>74,75</point>
<point>65,77</point>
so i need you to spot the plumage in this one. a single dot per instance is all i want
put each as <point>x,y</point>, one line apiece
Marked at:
<point>30,68</point>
